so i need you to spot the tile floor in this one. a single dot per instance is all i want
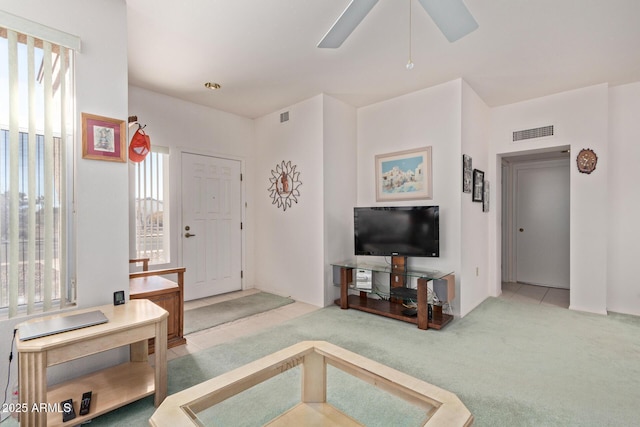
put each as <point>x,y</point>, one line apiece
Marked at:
<point>535,294</point>
<point>209,337</point>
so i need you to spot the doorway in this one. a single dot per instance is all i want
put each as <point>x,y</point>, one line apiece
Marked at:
<point>536,219</point>
<point>211,225</point>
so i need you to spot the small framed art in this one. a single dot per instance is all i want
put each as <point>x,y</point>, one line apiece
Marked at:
<point>485,200</point>
<point>478,185</point>
<point>466,173</point>
<point>103,138</point>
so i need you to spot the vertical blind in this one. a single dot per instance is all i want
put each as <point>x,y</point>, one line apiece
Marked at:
<point>152,237</point>
<point>36,104</point>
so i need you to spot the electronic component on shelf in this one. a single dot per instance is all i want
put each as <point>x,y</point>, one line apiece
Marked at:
<point>404,293</point>
<point>85,403</point>
<point>364,279</point>
<point>68,412</point>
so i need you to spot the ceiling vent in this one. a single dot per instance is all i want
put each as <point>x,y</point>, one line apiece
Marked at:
<point>533,133</point>
<point>284,117</point>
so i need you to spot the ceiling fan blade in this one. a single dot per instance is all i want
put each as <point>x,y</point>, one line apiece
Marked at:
<point>451,16</point>
<point>346,23</point>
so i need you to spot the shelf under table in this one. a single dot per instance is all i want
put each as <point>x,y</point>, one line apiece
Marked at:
<point>392,310</point>
<point>111,388</point>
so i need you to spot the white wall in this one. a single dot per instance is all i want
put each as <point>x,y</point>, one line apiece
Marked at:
<point>339,136</point>
<point>182,125</point>
<point>102,232</point>
<point>623,203</point>
<point>474,272</point>
<point>580,120</point>
<point>289,249</point>
<point>430,117</point>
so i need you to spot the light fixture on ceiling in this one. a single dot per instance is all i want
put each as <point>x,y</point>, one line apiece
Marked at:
<point>409,62</point>
<point>212,86</point>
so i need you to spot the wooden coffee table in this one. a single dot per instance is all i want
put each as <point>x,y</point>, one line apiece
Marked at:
<point>442,408</point>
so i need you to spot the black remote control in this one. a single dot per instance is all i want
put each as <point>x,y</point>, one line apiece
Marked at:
<point>68,412</point>
<point>85,403</point>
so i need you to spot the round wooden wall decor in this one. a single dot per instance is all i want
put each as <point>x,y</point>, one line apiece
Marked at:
<point>586,160</point>
<point>285,184</point>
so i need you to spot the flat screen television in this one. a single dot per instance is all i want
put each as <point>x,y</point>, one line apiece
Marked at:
<point>399,230</point>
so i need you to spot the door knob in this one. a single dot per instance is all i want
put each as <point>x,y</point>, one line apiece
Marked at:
<point>187,235</point>
<point>521,230</point>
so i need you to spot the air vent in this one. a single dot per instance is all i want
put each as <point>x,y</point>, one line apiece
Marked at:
<point>533,133</point>
<point>284,117</point>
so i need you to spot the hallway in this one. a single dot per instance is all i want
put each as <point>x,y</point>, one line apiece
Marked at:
<point>535,294</point>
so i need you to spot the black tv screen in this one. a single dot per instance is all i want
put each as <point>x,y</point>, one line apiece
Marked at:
<point>400,230</point>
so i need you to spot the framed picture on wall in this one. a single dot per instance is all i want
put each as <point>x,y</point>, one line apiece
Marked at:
<point>478,185</point>
<point>466,174</point>
<point>103,138</point>
<point>404,175</point>
<point>485,200</point>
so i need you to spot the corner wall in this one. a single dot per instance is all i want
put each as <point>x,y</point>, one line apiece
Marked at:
<point>339,135</point>
<point>475,274</point>
<point>623,292</point>
<point>289,251</point>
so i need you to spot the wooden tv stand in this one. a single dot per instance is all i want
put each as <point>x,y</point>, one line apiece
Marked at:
<point>392,306</point>
<point>129,324</point>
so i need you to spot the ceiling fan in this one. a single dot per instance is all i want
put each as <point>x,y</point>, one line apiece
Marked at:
<point>451,16</point>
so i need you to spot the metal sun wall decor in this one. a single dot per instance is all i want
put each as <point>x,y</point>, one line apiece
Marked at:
<point>285,184</point>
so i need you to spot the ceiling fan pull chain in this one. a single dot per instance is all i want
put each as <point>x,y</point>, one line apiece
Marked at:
<point>410,62</point>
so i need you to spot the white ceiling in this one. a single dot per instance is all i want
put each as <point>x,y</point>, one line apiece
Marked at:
<point>264,54</point>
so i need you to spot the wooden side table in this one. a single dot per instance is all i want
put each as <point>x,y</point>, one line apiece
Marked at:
<point>165,293</point>
<point>129,324</point>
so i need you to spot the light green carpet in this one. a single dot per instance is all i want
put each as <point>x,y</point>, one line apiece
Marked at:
<point>511,363</point>
<point>212,315</point>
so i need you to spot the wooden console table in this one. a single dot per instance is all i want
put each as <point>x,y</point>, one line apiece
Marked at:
<point>130,324</point>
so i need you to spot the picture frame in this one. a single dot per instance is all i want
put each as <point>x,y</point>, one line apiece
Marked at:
<point>467,171</point>
<point>485,200</point>
<point>478,185</point>
<point>404,175</point>
<point>103,138</point>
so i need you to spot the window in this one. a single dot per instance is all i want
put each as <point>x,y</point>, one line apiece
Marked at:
<point>36,145</point>
<point>152,206</point>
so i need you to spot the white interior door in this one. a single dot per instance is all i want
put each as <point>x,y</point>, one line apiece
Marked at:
<point>542,224</point>
<point>211,225</point>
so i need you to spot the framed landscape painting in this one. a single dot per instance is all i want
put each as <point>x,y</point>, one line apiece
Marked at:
<point>404,175</point>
